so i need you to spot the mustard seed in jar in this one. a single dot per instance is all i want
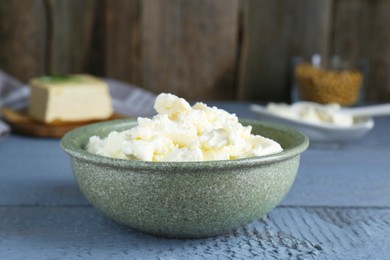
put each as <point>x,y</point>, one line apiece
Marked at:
<point>328,86</point>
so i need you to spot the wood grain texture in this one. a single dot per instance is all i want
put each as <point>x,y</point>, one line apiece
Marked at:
<point>265,50</point>
<point>189,47</point>
<point>70,24</point>
<point>312,27</point>
<point>378,89</point>
<point>123,40</point>
<point>23,35</point>
<point>21,123</point>
<point>342,177</point>
<point>274,32</point>
<point>204,49</point>
<point>337,209</point>
<point>352,34</point>
<point>352,23</point>
<point>285,233</point>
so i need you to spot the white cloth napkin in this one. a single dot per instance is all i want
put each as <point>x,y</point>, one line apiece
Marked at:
<point>127,99</point>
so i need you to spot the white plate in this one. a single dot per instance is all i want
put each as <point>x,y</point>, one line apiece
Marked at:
<point>324,133</point>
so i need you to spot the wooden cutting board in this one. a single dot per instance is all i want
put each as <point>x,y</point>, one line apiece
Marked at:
<point>21,123</point>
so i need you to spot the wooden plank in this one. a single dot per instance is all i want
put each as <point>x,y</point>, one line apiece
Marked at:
<point>96,64</point>
<point>189,47</point>
<point>274,31</point>
<point>123,40</point>
<point>351,29</point>
<point>71,24</point>
<point>345,177</point>
<point>23,38</point>
<point>379,80</point>
<point>352,24</point>
<point>312,27</point>
<point>43,216</point>
<point>286,233</point>
<point>21,123</point>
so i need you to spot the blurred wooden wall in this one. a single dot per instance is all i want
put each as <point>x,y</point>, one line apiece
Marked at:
<point>198,49</point>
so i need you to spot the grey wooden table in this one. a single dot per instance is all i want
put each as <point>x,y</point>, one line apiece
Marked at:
<point>338,208</point>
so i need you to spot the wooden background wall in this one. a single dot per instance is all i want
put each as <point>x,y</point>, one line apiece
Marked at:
<point>198,49</point>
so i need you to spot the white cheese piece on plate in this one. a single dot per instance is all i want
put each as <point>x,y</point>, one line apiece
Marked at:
<point>69,98</point>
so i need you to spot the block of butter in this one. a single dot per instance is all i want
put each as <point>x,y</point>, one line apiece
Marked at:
<point>69,98</point>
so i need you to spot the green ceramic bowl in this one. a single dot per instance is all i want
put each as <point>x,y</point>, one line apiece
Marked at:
<point>185,199</point>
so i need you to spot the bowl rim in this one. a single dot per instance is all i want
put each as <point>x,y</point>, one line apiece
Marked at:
<point>70,143</point>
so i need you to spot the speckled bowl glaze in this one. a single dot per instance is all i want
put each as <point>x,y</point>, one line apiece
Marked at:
<point>185,199</point>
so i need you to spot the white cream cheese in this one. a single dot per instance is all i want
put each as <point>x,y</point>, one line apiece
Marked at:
<point>313,113</point>
<point>180,132</point>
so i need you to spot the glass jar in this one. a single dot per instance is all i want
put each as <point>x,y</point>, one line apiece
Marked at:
<point>329,81</point>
